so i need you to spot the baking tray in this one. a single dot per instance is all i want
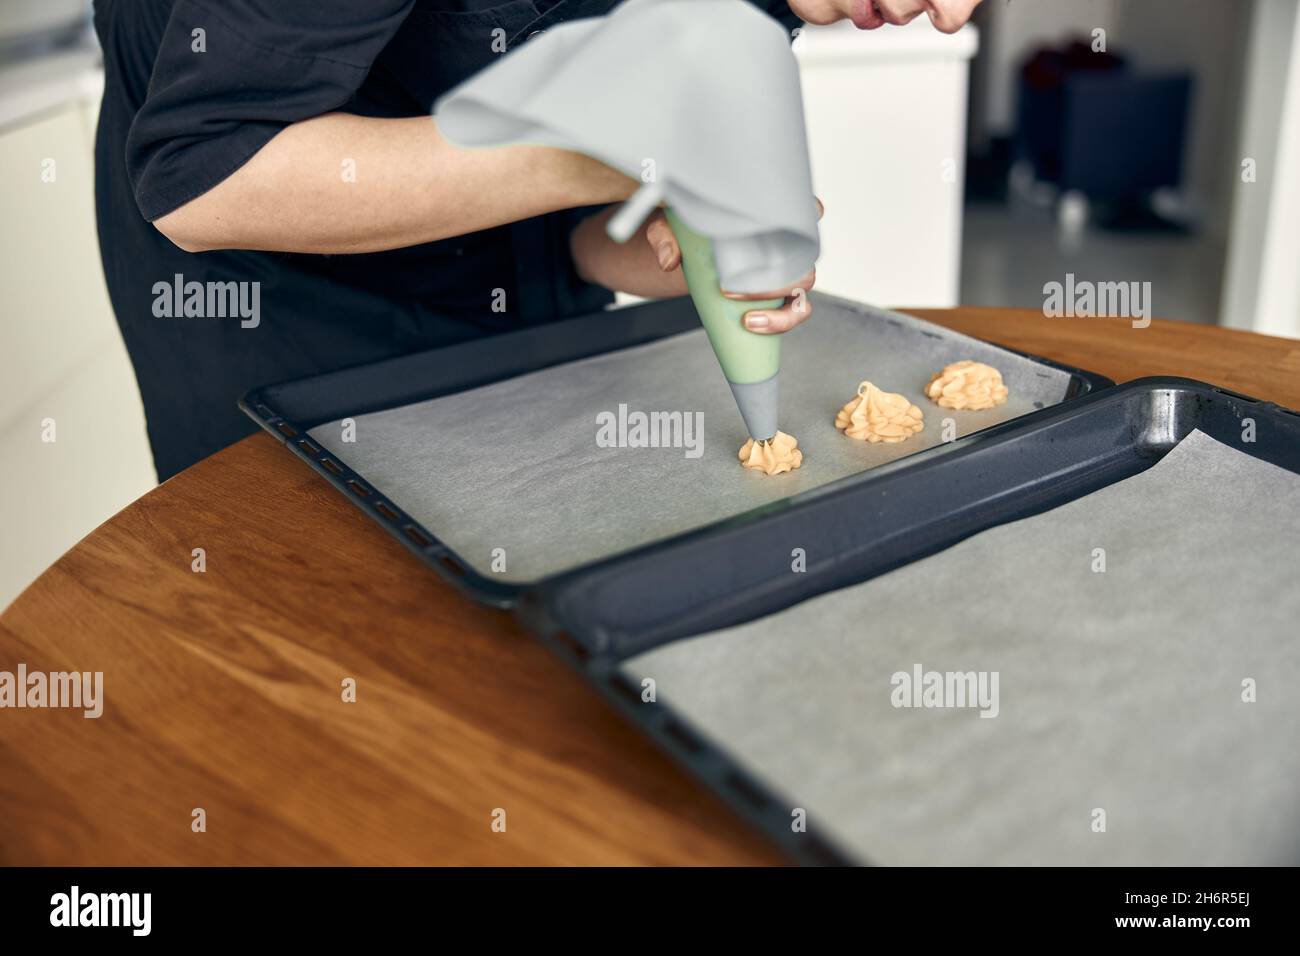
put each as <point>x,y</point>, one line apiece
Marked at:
<point>406,410</point>
<point>604,615</point>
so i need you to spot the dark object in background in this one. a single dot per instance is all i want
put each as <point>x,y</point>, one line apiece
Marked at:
<point>987,170</point>
<point>1089,124</point>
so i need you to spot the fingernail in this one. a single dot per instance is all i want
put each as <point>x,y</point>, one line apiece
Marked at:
<point>665,255</point>
<point>733,295</point>
<point>757,320</point>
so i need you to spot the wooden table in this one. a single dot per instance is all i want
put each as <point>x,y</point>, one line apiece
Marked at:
<point>223,688</point>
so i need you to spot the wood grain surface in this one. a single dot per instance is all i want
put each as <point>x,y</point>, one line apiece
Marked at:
<point>222,688</point>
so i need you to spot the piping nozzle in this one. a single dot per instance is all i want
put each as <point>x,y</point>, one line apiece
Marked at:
<point>758,403</point>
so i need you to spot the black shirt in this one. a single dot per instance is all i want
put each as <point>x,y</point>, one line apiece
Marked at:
<point>193,89</point>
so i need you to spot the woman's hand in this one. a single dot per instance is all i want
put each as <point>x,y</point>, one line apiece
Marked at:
<point>796,307</point>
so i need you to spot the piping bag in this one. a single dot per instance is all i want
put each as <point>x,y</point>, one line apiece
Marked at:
<point>699,100</point>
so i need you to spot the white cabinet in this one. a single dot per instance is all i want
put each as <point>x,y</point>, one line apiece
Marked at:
<point>886,113</point>
<point>61,356</point>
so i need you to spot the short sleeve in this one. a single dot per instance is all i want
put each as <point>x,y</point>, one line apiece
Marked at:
<point>229,76</point>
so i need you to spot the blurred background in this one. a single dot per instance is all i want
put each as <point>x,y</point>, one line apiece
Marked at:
<point>1116,140</point>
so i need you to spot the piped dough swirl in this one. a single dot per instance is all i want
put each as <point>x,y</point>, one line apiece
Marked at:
<point>968,386</point>
<point>777,454</point>
<point>878,416</point>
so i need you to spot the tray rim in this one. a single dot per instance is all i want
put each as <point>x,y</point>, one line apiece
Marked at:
<point>506,595</point>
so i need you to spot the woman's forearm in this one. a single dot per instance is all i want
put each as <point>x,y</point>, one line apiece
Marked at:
<point>341,183</point>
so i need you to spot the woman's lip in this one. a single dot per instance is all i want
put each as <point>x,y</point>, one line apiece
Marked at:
<point>865,16</point>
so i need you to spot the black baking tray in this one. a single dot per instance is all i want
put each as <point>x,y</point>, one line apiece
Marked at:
<point>290,410</point>
<point>604,614</point>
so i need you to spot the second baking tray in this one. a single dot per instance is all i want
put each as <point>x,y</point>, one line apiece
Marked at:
<point>615,622</point>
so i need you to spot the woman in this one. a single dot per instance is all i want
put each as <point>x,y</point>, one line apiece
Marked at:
<point>285,146</point>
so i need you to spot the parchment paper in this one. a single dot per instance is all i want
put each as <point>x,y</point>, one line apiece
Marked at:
<point>1120,690</point>
<point>515,465</point>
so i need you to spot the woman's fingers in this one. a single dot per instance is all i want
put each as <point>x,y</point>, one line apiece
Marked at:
<point>804,283</point>
<point>797,308</point>
<point>663,242</point>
